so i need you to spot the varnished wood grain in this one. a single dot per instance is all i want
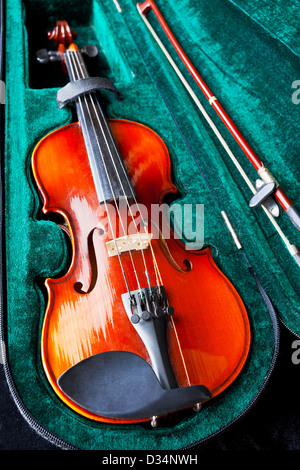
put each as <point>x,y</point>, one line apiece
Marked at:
<point>209,334</point>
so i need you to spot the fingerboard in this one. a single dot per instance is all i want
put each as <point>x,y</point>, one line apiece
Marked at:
<point>108,171</point>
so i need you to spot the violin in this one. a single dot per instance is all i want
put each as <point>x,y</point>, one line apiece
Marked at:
<point>139,326</point>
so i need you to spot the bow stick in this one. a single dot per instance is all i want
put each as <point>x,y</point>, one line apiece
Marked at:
<point>270,185</point>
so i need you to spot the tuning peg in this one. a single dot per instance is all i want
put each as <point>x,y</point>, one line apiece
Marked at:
<point>44,56</point>
<point>90,51</point>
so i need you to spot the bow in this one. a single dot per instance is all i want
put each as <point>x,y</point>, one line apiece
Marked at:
<point>267,186</point>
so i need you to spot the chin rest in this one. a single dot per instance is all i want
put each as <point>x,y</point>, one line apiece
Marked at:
<point>122,385</point>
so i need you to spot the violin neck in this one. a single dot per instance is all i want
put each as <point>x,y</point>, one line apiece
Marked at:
<point>109,174</point>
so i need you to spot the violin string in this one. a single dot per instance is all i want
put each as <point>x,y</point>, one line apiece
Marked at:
<point>126,198</point>
<point>122,187</point>
<point>158,276</point>
<point>156,268</point>
<point>95,133</point>
<point>108,216</point>
<point>145,225</point>
<point>76,56</point>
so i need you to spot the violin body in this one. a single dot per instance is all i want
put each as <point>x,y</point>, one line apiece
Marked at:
<point>207,337</point>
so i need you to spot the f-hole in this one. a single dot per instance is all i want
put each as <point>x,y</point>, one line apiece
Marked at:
<point>93,264</point>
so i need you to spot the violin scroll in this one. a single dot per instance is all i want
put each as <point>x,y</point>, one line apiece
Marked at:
<point>62,34</point>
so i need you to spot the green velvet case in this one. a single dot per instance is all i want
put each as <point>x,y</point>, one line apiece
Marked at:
<point>248,54</point>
